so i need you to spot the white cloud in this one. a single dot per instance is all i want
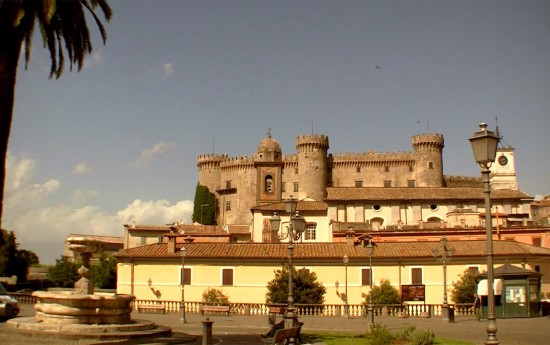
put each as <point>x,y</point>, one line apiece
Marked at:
<point>41,225</point>
<point>168,69</point>
<point>81,168</point>
<point>146,155</point>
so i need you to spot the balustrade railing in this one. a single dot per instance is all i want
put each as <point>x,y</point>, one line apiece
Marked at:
<point>328,310</point>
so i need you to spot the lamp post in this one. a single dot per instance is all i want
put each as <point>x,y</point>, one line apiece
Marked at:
<point>203,205</point>
<point>346,305</point>
<point>183,254</point>
<point>370,310</point>
<point>484,146</point>
<point>444,256</point>
<point>294,230</point>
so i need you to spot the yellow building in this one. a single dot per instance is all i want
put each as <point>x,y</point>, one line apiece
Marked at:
<point>242,270</point>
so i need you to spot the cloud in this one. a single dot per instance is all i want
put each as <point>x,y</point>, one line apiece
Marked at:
<point>146,155</point>
<point>81,168</point>
<point>168,69</point>
<point>41,225</point>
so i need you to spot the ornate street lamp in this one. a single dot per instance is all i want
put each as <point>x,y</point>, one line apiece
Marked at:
<point>444,256</point>
<point>346,306</point>
<point>183,254</point>
<point>294,230</point>
<point>370,310</point>
<point>484,146</point>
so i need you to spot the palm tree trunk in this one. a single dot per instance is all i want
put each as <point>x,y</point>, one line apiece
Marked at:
<point>10,47</point>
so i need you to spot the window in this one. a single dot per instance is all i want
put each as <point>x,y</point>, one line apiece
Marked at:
<point>227,277</point>
<point>387,184</point>
<point>143,240</point>
<point>537,241</point>
<point>311,231</point>
<point>430,165</point>
<point>411,168</point>
<point>358,183</point>
<point>434,207</point>
<point>296,189</point>
<point>376,207</point>
<point>358,169</point>
<point>283,187</point>
<point>416,275</point>
<point>227,184</point>
<point>387,168</point>
<point>228,205</point>
<point>296,170</point>
<point>365,276</point>
<point>537,268</point>
<point>268,183</point>
<point>411,183</point>
<point>186,277</point>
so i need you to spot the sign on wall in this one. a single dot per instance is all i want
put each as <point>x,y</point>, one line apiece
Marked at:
<point>411,293</point>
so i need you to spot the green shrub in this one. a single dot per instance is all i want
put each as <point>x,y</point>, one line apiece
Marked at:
<point>420,337</point>
<point>216,296</point>
<point>379,335</point>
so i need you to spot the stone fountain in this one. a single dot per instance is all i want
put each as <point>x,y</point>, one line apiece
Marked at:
<point>82,313</point>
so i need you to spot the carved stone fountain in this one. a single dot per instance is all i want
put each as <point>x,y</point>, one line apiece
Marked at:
<point>82,313</point>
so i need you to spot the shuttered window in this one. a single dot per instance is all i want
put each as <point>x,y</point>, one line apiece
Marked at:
<point>227,277</point>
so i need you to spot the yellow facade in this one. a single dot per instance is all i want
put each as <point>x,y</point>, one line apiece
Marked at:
<point>154,280</point>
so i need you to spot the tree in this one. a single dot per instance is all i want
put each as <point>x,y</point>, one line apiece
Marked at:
<point>205,206</point>
<point>13,261</point>
<point>383,294</point>
<point>103,273</point>
<point>62,24</point>
<point>307,290</point>
<point>64,273</point>
<point>464,290</point>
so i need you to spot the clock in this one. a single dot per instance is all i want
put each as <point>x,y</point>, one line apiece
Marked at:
<point>502,160</point>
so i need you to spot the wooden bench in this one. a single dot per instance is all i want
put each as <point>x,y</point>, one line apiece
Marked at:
<point>152,307</point>
<point>282,336</point>
<point>215,309</point>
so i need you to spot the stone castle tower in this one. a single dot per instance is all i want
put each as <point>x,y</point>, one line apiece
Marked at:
<point>269,176</point>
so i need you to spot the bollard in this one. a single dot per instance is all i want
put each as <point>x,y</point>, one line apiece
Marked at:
<point>207,332</point>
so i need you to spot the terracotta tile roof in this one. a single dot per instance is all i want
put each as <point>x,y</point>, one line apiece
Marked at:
<point>302,206</point>
<point>387,251</point>
<point>193,229</point>
<point>404,193</point>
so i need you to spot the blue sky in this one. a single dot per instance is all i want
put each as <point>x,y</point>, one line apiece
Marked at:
<point>118,141</point>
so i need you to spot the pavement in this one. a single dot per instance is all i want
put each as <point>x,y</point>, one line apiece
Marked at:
<point>237,329</point>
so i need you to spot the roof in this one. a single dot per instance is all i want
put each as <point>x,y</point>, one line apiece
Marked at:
<point>508,270</point>
<point>193,229</point>
<point>418,193</point>
<point>388,251</point>
<point>302,206</point>
<point>100,238</point>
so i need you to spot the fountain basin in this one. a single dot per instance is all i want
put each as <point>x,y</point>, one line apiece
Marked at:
<point>66,307</point>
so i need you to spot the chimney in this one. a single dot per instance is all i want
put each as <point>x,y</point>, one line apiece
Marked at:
<point>350,237</point>
<point>172,239</point>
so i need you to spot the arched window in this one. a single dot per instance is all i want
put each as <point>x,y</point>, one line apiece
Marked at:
<point>268,183</point>
<point>377,223</point>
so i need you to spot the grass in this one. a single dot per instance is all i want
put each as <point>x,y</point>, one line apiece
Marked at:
<point>346,339</point>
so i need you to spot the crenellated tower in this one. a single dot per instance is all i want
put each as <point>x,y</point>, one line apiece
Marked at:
<point>209,170</point>
<point>312,165</point>
<point>428,152</point>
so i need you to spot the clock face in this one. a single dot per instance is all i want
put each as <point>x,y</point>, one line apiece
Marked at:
<point>502,160</point>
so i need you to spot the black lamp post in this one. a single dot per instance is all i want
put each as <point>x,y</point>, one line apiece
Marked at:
<point>370,310</point>
<point>294,230</point>
<point>484,146</point>
<point>346,305</point>
<point>444,256</point>
<point>183,254</point>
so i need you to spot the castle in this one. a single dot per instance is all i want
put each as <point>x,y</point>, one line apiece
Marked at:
<point>241,183</point>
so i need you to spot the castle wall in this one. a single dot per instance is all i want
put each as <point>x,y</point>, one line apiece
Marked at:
<point>428,151</point>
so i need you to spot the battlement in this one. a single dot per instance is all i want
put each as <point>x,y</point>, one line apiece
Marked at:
<point>208,158</point>
<point>372,156</point>
<point>238,161</point>
<point>315,139</point>
<point>428,138</point>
